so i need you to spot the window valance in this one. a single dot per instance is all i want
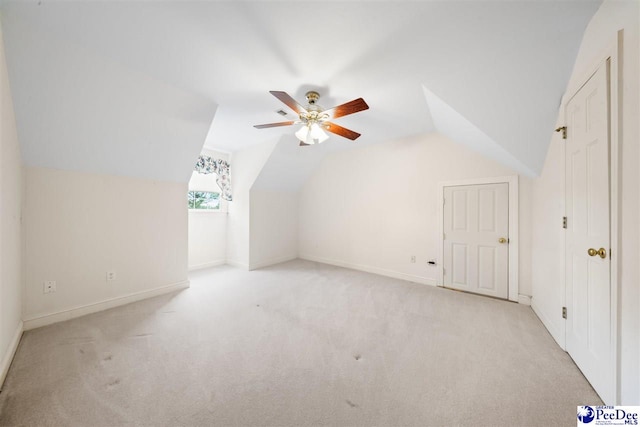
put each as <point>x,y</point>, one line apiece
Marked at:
<point>222,169</point>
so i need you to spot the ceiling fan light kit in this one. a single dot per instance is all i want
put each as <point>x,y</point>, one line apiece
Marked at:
<point>315,119</point>
<point>311,134</point>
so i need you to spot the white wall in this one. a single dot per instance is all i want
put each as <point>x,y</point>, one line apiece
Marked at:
<point>10,224</point>
<point>374,207</point>
<point>246,166</point>
<point>207,229</point>
<point>207,239</point>
<point>548,195</point>
<point>79,225</point>
<point>548,241</point>
<point>274,227</point>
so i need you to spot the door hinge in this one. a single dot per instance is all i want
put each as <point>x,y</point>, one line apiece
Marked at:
<point>564,222</point>
<point>562,129</point>
<point>564,312</point>
<point>444,236</point>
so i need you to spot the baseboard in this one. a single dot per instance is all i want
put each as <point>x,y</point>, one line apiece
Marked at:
<point>7,358</point>
<point>207,265</point>
<point>557,335</point>
<point>61,316</point>
<point>524,299</point>
<point>375,270</point>
<point>238,264</point>
<point>272,261</point>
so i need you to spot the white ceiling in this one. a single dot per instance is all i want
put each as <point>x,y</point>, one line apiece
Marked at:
<point>102,86</point>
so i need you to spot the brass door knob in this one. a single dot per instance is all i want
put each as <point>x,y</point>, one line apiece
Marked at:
<point>602,252</point>
<point>502,240</point>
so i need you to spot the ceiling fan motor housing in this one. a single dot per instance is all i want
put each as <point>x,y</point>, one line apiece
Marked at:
<point>312,97</point>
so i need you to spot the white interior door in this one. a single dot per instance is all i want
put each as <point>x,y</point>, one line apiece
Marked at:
<point>588,284</point>
<point>476,226</point>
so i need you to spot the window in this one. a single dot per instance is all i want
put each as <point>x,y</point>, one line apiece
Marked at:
<point>207,200</point>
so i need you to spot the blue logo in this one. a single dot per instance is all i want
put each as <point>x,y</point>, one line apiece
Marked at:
<point>586,414</point>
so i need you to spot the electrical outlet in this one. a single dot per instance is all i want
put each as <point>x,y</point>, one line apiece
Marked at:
<point>413,259</point>
<point>111,276</point>
<point>49,286</point>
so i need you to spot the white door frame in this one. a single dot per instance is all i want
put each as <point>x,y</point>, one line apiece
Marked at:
<point>514,242</point>
<point>613,53</point>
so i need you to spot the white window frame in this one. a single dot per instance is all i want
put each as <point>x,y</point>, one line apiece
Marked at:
<point>221,206</point>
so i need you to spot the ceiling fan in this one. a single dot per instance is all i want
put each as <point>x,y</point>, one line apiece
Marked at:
<point>315,119</point>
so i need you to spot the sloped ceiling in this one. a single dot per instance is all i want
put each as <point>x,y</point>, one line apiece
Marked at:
<point>453,125</point>
<point>101,86</point>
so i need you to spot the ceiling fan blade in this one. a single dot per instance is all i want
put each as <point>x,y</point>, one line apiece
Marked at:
<point>348,108</point>
<point>273,125</point>
<point>339,130</point>
<point>288,101</point>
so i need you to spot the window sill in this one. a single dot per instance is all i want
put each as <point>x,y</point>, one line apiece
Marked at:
<point>206,212</point>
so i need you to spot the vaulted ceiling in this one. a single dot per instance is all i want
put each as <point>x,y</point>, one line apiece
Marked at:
<point>136,88</point>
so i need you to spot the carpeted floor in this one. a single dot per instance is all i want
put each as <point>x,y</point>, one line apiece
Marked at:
<point>297,344</point>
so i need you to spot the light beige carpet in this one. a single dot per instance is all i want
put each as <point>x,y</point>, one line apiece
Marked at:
<point>296,344</point>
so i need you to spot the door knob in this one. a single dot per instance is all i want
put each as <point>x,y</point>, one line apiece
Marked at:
<point>502,240</point>
<point>602,252</point>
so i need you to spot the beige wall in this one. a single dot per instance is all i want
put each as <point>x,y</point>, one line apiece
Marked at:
<point>548,195</point>
<point>207,229</point>
<point>374,207</point>
<point>78,226</point>
<point>10,224</point>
